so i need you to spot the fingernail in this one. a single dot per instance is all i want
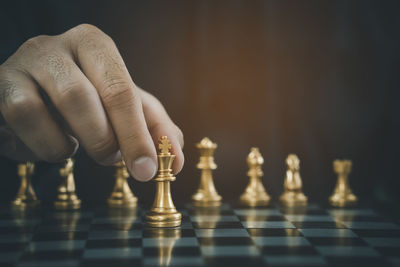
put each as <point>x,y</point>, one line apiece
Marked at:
<point>113,158</point>
<point>143,169</point>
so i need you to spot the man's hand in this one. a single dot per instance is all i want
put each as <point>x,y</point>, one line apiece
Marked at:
<point>58,91</point>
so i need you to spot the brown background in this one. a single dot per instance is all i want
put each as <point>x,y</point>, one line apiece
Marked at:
<point>316,78</point>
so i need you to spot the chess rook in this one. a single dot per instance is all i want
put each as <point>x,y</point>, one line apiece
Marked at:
<point>206,195</point>
<point>26,196</point>
<point>292,194</point>
<point>163,212</point>
<point>255,194</point>
<point>122,195</point>
<point>342,195</point>
<point>66,196</point>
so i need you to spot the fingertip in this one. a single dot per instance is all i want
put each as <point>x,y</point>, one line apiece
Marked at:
<point>143,168</point>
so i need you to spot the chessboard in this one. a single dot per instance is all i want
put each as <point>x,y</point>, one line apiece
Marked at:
<point>228,235</point>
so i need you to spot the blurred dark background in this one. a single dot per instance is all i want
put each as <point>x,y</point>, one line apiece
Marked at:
<point>315,78</point>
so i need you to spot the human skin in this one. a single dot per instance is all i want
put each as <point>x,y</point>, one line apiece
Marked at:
<point>59,92</point>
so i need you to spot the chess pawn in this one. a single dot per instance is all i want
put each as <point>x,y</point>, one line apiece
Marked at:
<point>26,195</point>
<point>163,212</point>
<point>206,195</point>
<point>292,194</point>
<point>122,195</point>
<point>342,195</point>
<point>66,196</point>
<point>255,194</point>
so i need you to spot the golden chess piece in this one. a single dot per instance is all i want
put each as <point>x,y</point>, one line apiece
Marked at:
<point>122,195</point>
<point>26,196</point>
<point>292,194</point>
<point>163,212</point>
<point>206,195</point>
<point>255,194</point>
<point>66,198</point>
<point>342,195</point>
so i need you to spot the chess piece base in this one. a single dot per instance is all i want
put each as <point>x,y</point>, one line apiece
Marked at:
<point>163,219</point>
<point>202,200</point>
<point>70,204</point>
<point>291,199</point>
<point>255,200</point>
<point>340,200</point>
<point>22,204</point>
<point>122,203</point>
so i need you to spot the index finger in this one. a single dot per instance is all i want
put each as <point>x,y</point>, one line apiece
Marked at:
<point>103,65</point>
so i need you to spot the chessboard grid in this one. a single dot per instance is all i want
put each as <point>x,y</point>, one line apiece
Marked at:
<point>272,236</point>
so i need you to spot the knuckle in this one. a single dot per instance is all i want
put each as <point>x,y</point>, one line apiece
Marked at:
<point>117,93</point>
<point>58,67</point>
<point>68,94</point>
<point>90,36</point>
<point>20,108</point>
<point>86,28</point>
<point>34,43</point>
<point>102,148</point>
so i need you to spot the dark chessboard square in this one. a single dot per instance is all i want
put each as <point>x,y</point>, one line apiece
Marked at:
<point>371,225</point>
<point>221,232</point>
<point>52,263</point>
<point>225,241</point>
<point>359,218</point>
<point>274,232</point>
<point>51,255</point>
<point>175,251</point>
<point>120,262</point>
<point>113,253</point>
<point>112,234</point>
<point>9,257</point>
<point>213,225</point>
<point>336,241</point>
<point>48,236</point>
<point>114,243</point>
<point>333,225</point>
<point>287,241</point>
<point>65,221</point>
<point>115,226</point>
<point>347,251</point>
<point>17,229</point>
<point>356,261</point>
<point>251,212</point>
<point>14,246</point>
<point>383,241</point>
<point>63,228</point>
<point>377,232</point>
<point>295,260</point>
<point>303,211</point>
<point>327,232</point>
<point>152,232</point>
<point>230,251</point>
<point>173,261</point>
<point>234,261</point>
<point>170,242</point>
<point>293,250</point>
<point>65,245</point>
<point>389,251</point>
